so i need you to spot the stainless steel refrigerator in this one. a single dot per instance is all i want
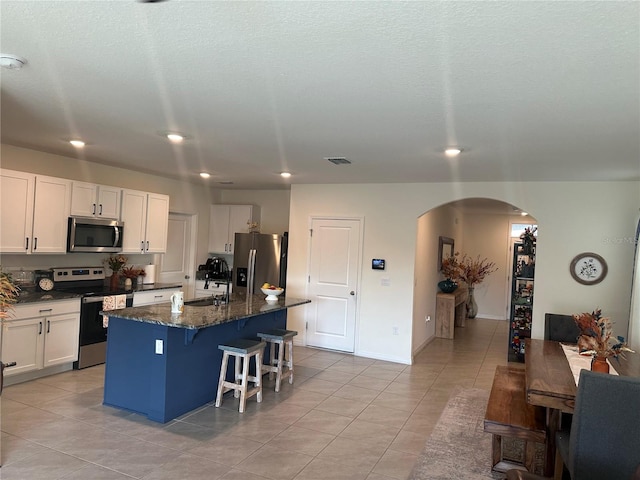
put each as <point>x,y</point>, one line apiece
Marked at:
<point>259,258</point>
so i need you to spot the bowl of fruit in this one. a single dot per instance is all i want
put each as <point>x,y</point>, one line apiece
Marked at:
<point>271,291</point>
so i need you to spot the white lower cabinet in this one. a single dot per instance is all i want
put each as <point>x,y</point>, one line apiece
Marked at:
<point>152,296</point>
<point>41,335</point>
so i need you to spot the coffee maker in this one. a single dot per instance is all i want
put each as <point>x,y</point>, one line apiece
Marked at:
<point>215,268</point>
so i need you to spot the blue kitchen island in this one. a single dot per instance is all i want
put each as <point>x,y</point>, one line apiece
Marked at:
<point>163,365</point>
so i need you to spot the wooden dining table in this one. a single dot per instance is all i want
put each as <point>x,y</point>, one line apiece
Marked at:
<point>550,384</point>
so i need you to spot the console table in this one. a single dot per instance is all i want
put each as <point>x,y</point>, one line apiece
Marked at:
<point>450,311</point>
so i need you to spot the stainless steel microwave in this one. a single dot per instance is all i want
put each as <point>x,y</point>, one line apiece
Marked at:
<point>94,235</point>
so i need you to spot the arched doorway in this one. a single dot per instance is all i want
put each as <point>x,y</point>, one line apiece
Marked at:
<point>479,227</point>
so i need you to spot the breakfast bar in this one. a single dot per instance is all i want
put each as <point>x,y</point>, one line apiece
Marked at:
<point>163,365</point>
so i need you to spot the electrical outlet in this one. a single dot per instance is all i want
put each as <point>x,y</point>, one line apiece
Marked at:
<point>427,318</point>
<point>395,330</point>
<point>159,347</point>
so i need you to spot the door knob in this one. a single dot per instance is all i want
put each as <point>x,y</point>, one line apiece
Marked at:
<point>187,277</point>
<point>352,292</point>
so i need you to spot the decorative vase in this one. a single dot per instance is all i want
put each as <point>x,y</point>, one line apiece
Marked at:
<point>114,281</point>
<point>472,306</point>
<point>128,284</point>
<point>599,364</point>
<point>447,286</point>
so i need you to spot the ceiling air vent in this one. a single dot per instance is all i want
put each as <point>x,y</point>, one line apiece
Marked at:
<point>338,160</point>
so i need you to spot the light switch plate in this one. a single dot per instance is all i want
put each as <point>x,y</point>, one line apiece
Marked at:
<point>159,347</point>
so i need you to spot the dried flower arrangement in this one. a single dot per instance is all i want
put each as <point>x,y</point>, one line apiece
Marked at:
<point>471,271</point>
<point>596,336</point>
<point>115,262</point>
<point>133,272</point>
<point>8,294</point>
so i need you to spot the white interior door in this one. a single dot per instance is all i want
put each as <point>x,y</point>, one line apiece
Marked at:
<point>333,283</point>
<point>178,263</point>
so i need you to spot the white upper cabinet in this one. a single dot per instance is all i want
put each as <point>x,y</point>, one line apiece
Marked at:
<point>146,222</point>
<point>91,200</point>
<point>227,220</point>
<point>34,213</point>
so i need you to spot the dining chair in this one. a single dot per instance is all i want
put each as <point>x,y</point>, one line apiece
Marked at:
<point>604,439</point>
<point>560,328</point>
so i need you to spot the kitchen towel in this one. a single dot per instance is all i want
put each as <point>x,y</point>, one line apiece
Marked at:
<point>112,302</point>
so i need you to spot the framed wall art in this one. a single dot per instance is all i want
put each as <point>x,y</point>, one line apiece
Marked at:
<point>588,268</point>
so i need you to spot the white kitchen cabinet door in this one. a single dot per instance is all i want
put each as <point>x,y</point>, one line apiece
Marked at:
<point>83,199</point>
<point>219,229</point>
<point>91,200</point>
<point>16,211</point>
<point>61,341</point>
<point>146,220</point>
<point>22,342</point>
<point>240,216</point>
<point>134,216</point>
<point>109,202</point>
<point>51,209</point>
<point>227,220</point>
<point>157,223</point>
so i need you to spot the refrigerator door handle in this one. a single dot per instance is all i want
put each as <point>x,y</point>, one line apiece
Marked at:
<point>252,271</point>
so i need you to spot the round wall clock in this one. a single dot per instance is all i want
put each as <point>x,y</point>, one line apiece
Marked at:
<point>588,268</point>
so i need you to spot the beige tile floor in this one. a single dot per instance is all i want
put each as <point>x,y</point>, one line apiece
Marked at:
<point>345,417</point>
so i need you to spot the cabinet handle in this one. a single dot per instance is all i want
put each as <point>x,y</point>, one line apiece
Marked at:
<point>26,246</point>
<point>142,246</point>
<point>40,330</point>
<point>35,243</point>
<point>46,310</point>
<point>94,209</point>
<point>158,296</point>
<point>147,245</point>
<point>48,326</point>
<point>100,210</point>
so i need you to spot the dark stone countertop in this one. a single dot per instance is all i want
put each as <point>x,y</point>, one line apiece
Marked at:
<point>195,317</point>
<point>31,295</point>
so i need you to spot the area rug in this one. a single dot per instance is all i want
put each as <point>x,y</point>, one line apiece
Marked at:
<point>458,447</point>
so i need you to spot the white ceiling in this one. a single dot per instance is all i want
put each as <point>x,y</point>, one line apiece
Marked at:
<point>532,91</point>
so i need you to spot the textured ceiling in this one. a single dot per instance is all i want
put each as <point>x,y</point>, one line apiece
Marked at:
<point>532,91</point>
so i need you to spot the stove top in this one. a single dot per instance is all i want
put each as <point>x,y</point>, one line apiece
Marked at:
<point>86,281</point>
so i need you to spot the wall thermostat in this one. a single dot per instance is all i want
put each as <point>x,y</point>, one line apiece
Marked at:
<point>377,263</point>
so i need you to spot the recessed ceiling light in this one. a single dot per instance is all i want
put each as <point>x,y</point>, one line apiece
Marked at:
<point>175,137</point>
<point>524,214</point>
<point>12,62</point>
<point>285,174</point>
<point>452,151</point>
<point>77,143</point>
<point>205,174</point>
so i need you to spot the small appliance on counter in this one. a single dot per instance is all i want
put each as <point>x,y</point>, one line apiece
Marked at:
<point>215,271</point>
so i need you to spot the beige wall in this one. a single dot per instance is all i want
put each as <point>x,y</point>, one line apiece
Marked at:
<point>574,217</point>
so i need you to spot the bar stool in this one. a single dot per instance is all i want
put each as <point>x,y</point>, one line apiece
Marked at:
<point>283,339</point>
<point>242,350</point>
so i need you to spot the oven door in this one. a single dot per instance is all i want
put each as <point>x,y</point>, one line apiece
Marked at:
<point>93,335</point>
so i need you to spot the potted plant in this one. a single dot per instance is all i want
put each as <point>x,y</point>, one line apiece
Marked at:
<point>8,294</point>
<point>450,270</point>
<point>115,263</point>
<point>597,339</point>
<point>471,271</point>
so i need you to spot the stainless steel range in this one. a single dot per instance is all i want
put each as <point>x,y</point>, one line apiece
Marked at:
<point>89,282</point>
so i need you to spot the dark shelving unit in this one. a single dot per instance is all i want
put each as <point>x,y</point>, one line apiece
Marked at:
<point>524,263</point>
